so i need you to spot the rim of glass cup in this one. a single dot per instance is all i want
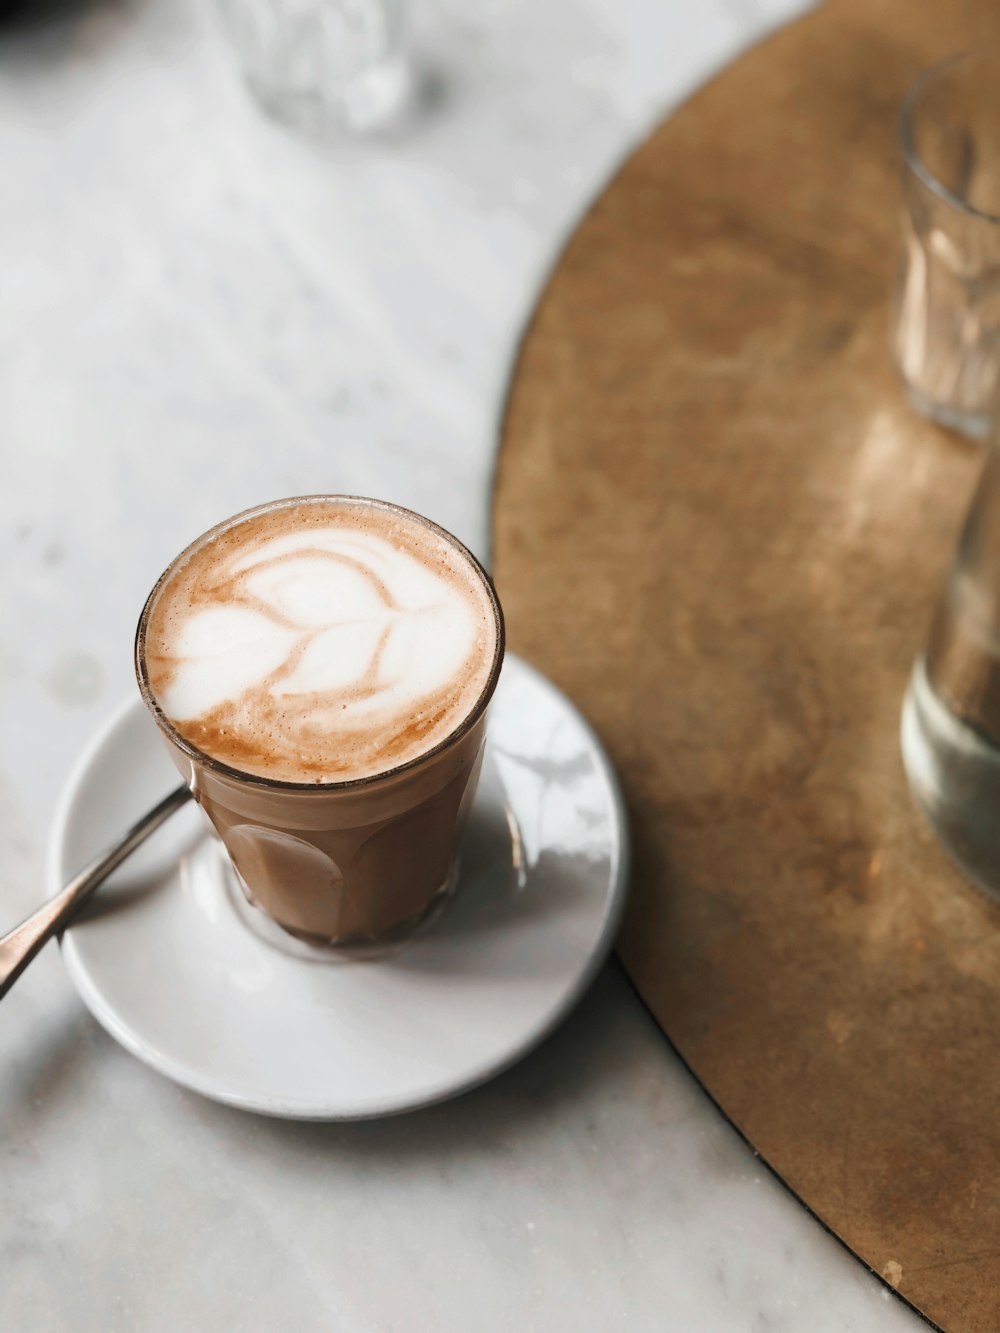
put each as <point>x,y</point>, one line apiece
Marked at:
<point>347,784</point>
<point>910,155</point>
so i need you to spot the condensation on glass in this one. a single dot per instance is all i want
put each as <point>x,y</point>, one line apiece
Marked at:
<point>946,317</point>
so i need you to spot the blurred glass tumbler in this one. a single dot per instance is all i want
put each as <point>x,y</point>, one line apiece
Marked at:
<point>323,64</point>
<point>946,317</point>
<point>951,714</point>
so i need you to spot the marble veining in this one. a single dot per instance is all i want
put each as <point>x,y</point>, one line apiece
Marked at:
<point>199,312</point>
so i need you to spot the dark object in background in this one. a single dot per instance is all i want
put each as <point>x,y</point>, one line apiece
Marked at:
<point>23,14</point>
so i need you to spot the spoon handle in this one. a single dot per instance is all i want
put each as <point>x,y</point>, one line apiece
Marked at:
<point>19,946</point>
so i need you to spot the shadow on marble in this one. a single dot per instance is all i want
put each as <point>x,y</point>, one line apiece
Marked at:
<point>562,1071</point>
<point>47,1069</point>
<point>47,1077</point>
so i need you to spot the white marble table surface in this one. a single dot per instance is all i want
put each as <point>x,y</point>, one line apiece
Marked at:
<point>199,312</point>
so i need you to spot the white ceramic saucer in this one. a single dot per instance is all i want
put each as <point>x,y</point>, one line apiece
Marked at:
<point>172,961</point>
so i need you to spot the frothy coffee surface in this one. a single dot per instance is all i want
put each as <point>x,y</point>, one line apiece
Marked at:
<point>320,641</point>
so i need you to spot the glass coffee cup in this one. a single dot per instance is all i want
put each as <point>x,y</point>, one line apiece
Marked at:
<point>357,862</point>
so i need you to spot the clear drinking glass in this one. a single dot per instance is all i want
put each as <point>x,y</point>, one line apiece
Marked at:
<point>323,64</point>
<point>358,864</point>
<point>951,714</point>
<point>946,318</point>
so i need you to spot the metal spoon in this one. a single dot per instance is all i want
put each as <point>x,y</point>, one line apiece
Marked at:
<point>19,946</point>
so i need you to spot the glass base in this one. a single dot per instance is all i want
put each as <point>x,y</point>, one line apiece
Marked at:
<point>973,425</point>
<point>313,948</point>
<point>371,101</point>
<point>954,775</point>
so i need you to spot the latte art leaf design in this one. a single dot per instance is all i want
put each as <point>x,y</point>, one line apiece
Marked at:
<point>315,644</point>
<point>341,613</point>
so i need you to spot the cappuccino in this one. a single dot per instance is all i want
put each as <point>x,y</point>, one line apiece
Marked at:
<point>321,641</point>
<point>320,669</point>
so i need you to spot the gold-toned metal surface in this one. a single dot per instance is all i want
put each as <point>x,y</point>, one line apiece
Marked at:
<point>720,529</point>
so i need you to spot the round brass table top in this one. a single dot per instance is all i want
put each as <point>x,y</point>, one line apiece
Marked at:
<point>720,529</point>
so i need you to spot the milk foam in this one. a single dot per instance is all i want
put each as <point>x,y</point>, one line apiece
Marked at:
<point>322,641</point>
